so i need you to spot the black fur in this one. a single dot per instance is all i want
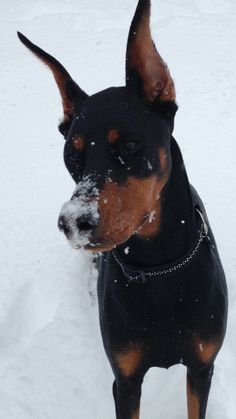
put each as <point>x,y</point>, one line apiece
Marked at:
<point>159,321</point>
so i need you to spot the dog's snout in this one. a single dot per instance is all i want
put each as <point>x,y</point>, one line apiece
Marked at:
<point>79,217</point>
<point>63,225</point>
<point>85,224</point>
<point>77,229</point>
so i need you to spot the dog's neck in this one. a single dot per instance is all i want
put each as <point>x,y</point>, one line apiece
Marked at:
<point>178,228</point>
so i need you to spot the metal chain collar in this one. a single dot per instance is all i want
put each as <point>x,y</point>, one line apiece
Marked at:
<point>144,275</point>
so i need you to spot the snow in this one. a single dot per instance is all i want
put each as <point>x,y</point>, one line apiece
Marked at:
<point>126,251</point>
<point>152,216</point>
<point>82,205</point>
<point>52,364</point>
<point>149,165</point>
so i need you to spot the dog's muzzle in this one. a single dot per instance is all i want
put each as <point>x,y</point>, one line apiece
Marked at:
<point>79,217</point>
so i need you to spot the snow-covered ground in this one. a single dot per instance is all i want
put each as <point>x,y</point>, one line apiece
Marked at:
<point>52,364</point>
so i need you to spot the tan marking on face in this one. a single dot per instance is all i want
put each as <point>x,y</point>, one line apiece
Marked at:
<point>206,350</point>
<point>124,209</point>
<point>134,207</point>
<point>128,359</point>
<point>153,223</point>
<point>163,159</point>
<point>100,247</point>
<point>193,404</point>
<point>113,136</point>
<point>78,143</point>
<point>153,71</point>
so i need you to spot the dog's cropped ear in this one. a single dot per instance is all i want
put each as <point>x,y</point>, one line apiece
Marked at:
<point>71,93</point>
<point>144,66</point>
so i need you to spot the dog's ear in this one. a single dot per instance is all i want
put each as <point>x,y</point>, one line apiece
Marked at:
<point>145,68</point>
<point>71,93</point>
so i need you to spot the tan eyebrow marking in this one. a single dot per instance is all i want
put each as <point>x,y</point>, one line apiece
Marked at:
<point>113,136</point>
<point>78,143</point>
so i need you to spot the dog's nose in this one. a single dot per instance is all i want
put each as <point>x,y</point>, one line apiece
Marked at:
<point>63,225</point>
<point>85,224</point>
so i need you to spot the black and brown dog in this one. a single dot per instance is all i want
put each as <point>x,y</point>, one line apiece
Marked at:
<point>161,288</point>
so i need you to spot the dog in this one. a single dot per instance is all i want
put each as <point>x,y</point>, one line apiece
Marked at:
<point>161,288</point>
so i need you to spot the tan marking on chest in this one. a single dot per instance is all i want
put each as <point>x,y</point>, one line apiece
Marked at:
<point>206,350</point>
<point>128,360</point>
<point>136,414</point>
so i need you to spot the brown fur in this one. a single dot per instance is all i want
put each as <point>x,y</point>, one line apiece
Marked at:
<point>121,217</point>
<point>128,359</point>
<point>206,350</point>
<point>153,223</point>
<point>61,80</point>
<point>193,404</point>
<point>78,143</point>
<point>113,136</point>
<point>137,413</point>
<point>145,59</point>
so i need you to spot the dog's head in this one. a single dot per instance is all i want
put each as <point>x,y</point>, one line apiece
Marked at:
<point>117,146</point>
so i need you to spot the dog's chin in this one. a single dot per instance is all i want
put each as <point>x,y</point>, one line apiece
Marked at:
<point>105,245</point>
<point>102,243</point>
<point>93,246</point>
<point>99,247</point>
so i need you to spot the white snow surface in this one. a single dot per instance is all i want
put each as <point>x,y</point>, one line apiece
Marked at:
<point>52,363</point>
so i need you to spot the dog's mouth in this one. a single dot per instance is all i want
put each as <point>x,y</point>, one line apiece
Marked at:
<point>97,243</point>
<point>85,236</point>
<point>108,241</point>
<point>94,243</point>
<point>98,221</point>
<point>94,246</point>
<point>99,247</point>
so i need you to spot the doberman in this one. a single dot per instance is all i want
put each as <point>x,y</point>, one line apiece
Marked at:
<point>161,288</point>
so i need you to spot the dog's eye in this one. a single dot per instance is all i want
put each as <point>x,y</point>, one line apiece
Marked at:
<point>72,158</point>
<point>131,146</point>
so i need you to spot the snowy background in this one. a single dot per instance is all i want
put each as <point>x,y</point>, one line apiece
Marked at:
<point>52,364</point>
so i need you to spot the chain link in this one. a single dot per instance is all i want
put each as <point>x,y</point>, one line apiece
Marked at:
<point>174,268</point>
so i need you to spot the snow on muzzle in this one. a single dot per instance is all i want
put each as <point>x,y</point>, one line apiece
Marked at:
<point>80,216</point>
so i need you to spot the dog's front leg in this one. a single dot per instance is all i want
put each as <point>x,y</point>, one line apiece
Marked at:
<point>127,393</point>
<point>198,387</point>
